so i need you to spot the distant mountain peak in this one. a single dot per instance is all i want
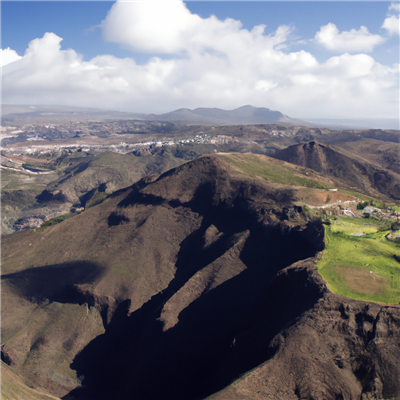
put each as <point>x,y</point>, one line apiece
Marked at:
<point>243,115</point>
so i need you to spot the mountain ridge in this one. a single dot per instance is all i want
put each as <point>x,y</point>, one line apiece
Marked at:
<point>243,115</point>
<point>331,161</point>
<point>53,112</point>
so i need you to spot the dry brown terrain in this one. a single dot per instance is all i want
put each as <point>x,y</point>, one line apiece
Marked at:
<point>320,197</point>
<point>14,389</point>
<point>175,287</point>
<point>369,178</point>
<point>383,154</point>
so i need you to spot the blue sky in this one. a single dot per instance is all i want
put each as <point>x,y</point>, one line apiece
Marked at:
<point>157,58</point>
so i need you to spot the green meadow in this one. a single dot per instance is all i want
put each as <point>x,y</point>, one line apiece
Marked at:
<point>361,267</point>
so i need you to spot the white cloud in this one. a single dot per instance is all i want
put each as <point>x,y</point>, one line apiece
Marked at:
<point>168,27</point>
<point>150,26</point>
<point>392,22</point>
<point>351,41</point>
<point>218,64</point>
<point>392,25</point>
<point>8,56</point>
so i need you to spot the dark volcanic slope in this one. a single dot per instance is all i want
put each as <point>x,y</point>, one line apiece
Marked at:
<point>329,161</point>
<point>173,288</point>
<point>339,349</point>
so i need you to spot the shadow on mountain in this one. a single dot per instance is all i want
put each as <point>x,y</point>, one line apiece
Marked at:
<point>222,334</point>
<point>55,282</point>
<point>49,197</point>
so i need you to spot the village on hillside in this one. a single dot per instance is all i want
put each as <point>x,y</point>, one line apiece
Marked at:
<point>350,206</point>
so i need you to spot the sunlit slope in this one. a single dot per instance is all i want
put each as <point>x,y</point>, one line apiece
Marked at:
<point>381,153</point>
<point>277,171</point>
<point>12,388</point>
<point>352,170</point>
<point>113,171</point>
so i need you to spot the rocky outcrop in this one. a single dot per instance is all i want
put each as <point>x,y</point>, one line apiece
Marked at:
<point>338,349</point>
<point>29,222</point>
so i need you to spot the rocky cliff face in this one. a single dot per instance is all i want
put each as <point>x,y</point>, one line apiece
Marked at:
<point>338,349</point>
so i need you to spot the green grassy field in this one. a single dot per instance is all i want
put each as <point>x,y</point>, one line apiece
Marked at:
<point>361,267</point>
<point>359,195</point>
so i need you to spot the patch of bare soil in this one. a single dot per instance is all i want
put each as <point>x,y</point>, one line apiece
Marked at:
<point>361,280</point>
<point>320,197</point>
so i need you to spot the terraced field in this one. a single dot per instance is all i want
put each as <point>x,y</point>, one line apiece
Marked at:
<point>359,262</point>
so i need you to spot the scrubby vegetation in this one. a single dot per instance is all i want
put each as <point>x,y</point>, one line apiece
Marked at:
<point>359,262</point>
<point>38,167</point>
<point>374,203</point>
<point>55,221</point>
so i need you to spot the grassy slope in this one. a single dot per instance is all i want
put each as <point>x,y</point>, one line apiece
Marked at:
<point>362,268</point>
<point>275,170</point>
<point>377,202</point>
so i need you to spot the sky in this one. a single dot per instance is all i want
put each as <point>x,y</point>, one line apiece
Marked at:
<point>315,59</point>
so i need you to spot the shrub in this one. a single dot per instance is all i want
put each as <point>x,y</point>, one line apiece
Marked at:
<point>55,221</point>
<point>283,196</point>
<point>328,199</point>
<point>362,205</point>
<point>395,226</point>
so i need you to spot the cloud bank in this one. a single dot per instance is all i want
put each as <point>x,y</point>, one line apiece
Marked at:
<point>207,63</point>
<point>352,41</point>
